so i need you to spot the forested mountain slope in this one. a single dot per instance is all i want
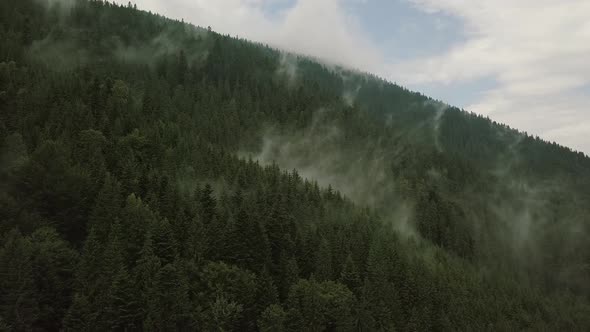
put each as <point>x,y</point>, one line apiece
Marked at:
<point>159,176</point>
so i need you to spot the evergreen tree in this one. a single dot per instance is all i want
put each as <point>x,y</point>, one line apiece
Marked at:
<point>225,315</point>
<point>272,319</point>
<point>288,276</point>
<point>214,231</point>
<point>315,306</point>
<point>135,218</point>
<point>350,275</point>
<point>170,306</point>
<point>324,270</point>
<point>106,208</point>
<point>266,291</point>
<point>18,297</point>
<point>53,263</point>
<point>248,245</point>
<point>280,232</point>
<point>163,242</point>
<point>382,287</point>
<point>79,316</point>
<point>145,274</point>
<point>122,309</point>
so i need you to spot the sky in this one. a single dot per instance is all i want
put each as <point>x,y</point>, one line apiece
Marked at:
<point>525,63</point>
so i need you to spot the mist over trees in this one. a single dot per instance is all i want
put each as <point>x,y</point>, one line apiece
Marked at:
<point>160,176</point>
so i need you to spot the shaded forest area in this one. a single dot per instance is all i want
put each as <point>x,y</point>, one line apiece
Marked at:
<point>160,176</point>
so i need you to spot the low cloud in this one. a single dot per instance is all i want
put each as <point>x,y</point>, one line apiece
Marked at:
<point>288,68</point>
<point>361,171</point>
<point>536,51</point>
<point>323,29</point>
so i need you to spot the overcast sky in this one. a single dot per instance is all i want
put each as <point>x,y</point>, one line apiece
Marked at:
<point>525,63</point>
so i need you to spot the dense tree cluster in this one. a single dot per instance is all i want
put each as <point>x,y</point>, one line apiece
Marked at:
<point>125,204</point>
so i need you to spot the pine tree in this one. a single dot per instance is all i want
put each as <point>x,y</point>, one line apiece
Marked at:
<point>280,231</point>
<point>167,198</point>
<point>135,218</point>
<point>195,245</point>
<point>350,276</point>
<point>289,274</point>
<point>13,154</point>
<point>89,153</point>
<point>208,205</point>
<point>110,281</point>
<point>181,67</point>
<point>225,315</point>
<point>324,270</point>
<point>163,242</point>
<point>214,231</point>
<point>183,234</point>
<point>90,266</point>
<point>53,264</point>
<point>122,310</point>
<point>382,285</point>
<point>170,305</point>
<point>272,319</point>
<point>106,208</point>
<point>79,317</point>
<point>248,247</point>
<point>145,274</point>
<point>315,306</point>
<point>266,291</point>
<point>18,296</point>
<point>364,316</point>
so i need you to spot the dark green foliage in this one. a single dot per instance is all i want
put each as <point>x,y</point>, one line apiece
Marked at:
<point>19,306</point>
<point>350,275</point>
<point>107,207</point>
<point>324,270</point>
<point>79,316</point>
<point>314,306</point>
<point>227,294</point>
<point>124,204</point>
<point>121,309</point>
<point>246,241</point>
<point>54,264</point>
<point>266,292</point>
<point>169,306</point>
<point>272,319</point>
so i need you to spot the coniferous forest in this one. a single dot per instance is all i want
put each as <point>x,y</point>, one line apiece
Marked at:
<point>159,176</point>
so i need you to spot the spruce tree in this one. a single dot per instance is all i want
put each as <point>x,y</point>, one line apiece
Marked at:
<point>248,247</point>
<point>18,297</point>
<point>106,208</point>
<point>163,242</point>
<point>145,274</point>
<point>54,263</point>
<point>266,291</point>
<point>170,306</point>
<point>350,275</point>
<point>272,319</point>
<point>79,316</point>
<point>324,270</point>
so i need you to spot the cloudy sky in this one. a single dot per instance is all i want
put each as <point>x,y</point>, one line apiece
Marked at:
<point>525,63</point>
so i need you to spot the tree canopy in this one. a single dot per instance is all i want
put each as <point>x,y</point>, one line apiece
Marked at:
<point>156,175</point>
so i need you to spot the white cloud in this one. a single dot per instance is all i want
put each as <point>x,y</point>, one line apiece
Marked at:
<point>537,51</point>
<point>321,28</point>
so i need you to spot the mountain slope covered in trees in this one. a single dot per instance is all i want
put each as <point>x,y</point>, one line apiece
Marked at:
<point>160,176</point>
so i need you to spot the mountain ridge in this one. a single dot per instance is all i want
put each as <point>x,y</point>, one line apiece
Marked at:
<point>155,176</point>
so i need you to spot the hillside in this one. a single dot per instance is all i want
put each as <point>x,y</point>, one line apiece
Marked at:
<point>159,176</point>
